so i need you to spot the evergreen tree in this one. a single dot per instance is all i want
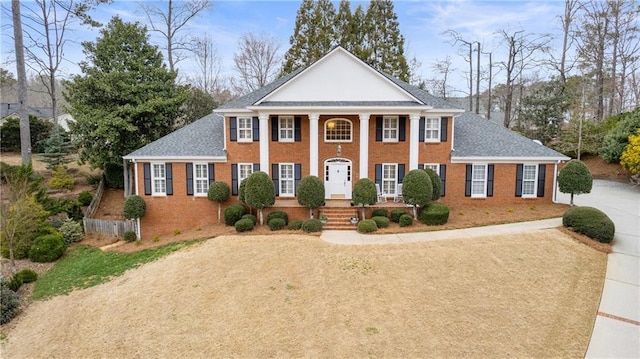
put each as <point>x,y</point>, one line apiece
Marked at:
<point>543,112</point>
<point>125,97</point>
<point>358,46</point>
<point>345,32</point>
<point>57,148</point>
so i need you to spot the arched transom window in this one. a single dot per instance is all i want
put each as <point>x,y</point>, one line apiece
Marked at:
<point>338,130</point>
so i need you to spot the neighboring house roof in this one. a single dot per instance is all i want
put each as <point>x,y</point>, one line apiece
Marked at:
<point>203,138</point>
<point>11,108</point>
<point>478,138</point>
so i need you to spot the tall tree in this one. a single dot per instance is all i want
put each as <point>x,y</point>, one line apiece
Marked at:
<point>256,61</point>
<point>25,137</point>
<point>209,65</point>
<point>345,30</point>
<point>125,97</point>
<point>543,111</point>
<point>171,22</point>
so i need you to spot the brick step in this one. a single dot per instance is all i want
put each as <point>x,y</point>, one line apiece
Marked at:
<point>339,218</point>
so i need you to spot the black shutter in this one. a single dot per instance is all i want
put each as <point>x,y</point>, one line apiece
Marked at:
<point>542,169</point>
<point>378,178</point>
<point>189,179</point>
<point>256,129</point>
<point>490,181</point>
<point>147,178</point>
<point>443,180</point>
<point>297,176</point>
<point>378,128</point>
<point>234,179</point>
<point>297,129</point>
<point>256,167</point>
<point>402,129</point>
<point>421,166</point>
<point>233,128</point>
<point>274,128</point>
<point>467,181</point>
<point>400,172</point>
<point>212,173</point>
<point>519,169</point>
<point>169,173</point>
<point>444,121</point>
<point>421,130</point>
<point>275,176</point>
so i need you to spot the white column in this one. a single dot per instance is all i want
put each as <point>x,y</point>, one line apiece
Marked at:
<point>313,143</point>
<point>364,146</point>
<point>264,142</point>
<point>413,140</point>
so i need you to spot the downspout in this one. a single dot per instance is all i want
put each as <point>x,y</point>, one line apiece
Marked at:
<point>555,182</point>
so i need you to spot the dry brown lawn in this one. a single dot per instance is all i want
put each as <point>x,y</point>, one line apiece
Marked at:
<point>525,295</point>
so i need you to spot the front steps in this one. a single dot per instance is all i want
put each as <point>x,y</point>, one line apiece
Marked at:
<point>339,218</point>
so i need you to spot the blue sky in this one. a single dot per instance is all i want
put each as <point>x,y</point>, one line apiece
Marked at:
<point>421,22</point>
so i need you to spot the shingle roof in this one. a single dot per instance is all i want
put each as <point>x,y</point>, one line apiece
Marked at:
<point>253,97</point>
<point>202,138</point>
<point>475,136</point>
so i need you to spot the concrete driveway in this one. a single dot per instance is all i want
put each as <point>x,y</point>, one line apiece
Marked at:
<point>617,329</point>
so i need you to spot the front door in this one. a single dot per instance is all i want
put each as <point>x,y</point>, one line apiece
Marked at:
<point>338,179</point>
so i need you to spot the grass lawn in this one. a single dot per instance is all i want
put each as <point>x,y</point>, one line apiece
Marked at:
<point>526,295</point>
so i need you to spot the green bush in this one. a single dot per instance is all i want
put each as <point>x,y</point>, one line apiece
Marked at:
<point>435,183</point>
<point>61,179</point>
<point>405,220</point>
<point>295,224</point>
<point>71,231</point>
<point>591,222</point>
<point>380,212</point>
<point>130,236</point>
<point>276,224</point>
<point>253,218</point>
<point>9,302</point>
<point>381,222</point>
<point>233,214</point>
<point>94,180</point>
<point>15,283</point>
<point>47,248</point>
<point>85,198</point>
<point>113,175</point>
<point>367,226</point>
<point>396,214</point>
<point>434,214</point>
<point>312,225</point>
<point>27,275</point>
<point>278,214</point>
<point>310,192</point>
<point>134,207</point>
<point>74,210</point>
<point>243,225</point>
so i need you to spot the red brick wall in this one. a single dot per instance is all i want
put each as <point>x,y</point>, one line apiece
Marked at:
<point>291,152</point>
<point>387,152</point>
<point>350,150</point>
<point>436,152</point>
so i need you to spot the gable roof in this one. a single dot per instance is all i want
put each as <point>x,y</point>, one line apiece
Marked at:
<point>203,139</point>
<point>476,138</point>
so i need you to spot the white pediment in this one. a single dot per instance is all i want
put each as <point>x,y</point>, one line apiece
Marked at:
<point>339,76</point>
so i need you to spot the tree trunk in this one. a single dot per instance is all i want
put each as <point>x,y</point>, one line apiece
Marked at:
<point>310,213</point>
<point>25,135</point>
<point>415,212</point>
<point>261,217</point>
<point>571,201</point>
<point>219,210</point>
<point>364,214</point>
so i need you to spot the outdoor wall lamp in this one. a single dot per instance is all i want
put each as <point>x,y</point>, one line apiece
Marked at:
<point>339,150</point>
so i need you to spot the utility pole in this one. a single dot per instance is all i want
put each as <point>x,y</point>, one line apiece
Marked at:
<point>478,80</point>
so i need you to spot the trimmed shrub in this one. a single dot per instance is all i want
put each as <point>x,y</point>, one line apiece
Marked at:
<point>276,224</point>
<point>367,226</point>
<point>74,210</point>
<point>295,224</point>
<point>134,207</point>
<point>47,248</point>
<point>310,193</point>
<point>591,222</point>
<point>253,218</point>
<point>9,302</point>
<point>85,198</point>
<point>27,275</point>
<point>233,214</point>
<point>434,214</point>
<point>71,231</point>
<point>396,214</point>
<point>312,225</point>
<point>405,220</point>
<point>130,236</point>
<point>243,225</point>
<point>380,212</point>
<point>381,222</point>
<point>15,283</point>
<point>278,214</point>
<point>435,183</point>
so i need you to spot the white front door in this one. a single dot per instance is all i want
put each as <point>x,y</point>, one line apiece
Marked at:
<point>337,180</point>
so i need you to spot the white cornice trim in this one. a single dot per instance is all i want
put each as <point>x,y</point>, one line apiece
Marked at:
<point>219,159</point>
<point>508,159</point>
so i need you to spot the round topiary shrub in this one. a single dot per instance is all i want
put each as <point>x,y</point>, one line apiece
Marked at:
<point>380,212</point>
<point>435,214</point>
<point>233,214</point>
<point>295,225</point>
<point>276,224</point>
<point>591,222</point>
<point>396,214</point>
<point>134,207</point>
<point>367,226</point>
<point>9,302</point>
<point>278,214</point>
<point>253,218</point>
<point>381,222</point>
<point>71,231</point>
<point>85,198</point>
<point>47,248</point>
<point>27,275</point>
<point>243,225</point>
<point>130,236</point>
<point>405,220</point>
<point>312,225</point>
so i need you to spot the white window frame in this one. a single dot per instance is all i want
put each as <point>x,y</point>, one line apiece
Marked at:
<point>286,125</point>
<point>286,179</point>
<point>529,180</point>
<point>476,171</point>
<point>326,126</point>
<point>390,128</point>
<point>433,166</point>
<point>386,191</point>
<point>203,180</point>
<point>245,133</point>
<point>160,178</point>
<point>432,129</point>
<point>249,171</point>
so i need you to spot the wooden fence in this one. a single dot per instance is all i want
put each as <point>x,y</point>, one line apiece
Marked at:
<point>95,202</point>
<point>108,227</point>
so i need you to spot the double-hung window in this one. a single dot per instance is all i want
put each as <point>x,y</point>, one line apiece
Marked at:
<point>389,178</point>
<point>244,171</point>
<point>158,179</point>
<point>479,181</point>
<point>433,166</point>
<point>529,178</point>
<point>432,129</point>
<point>245,129</point>
<point>201,178</point>
<point>390,129</point>
<point>285,128</point>
<point>287,180</point>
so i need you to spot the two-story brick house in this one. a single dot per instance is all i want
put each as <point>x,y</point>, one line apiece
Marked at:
<point>341,120</point>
